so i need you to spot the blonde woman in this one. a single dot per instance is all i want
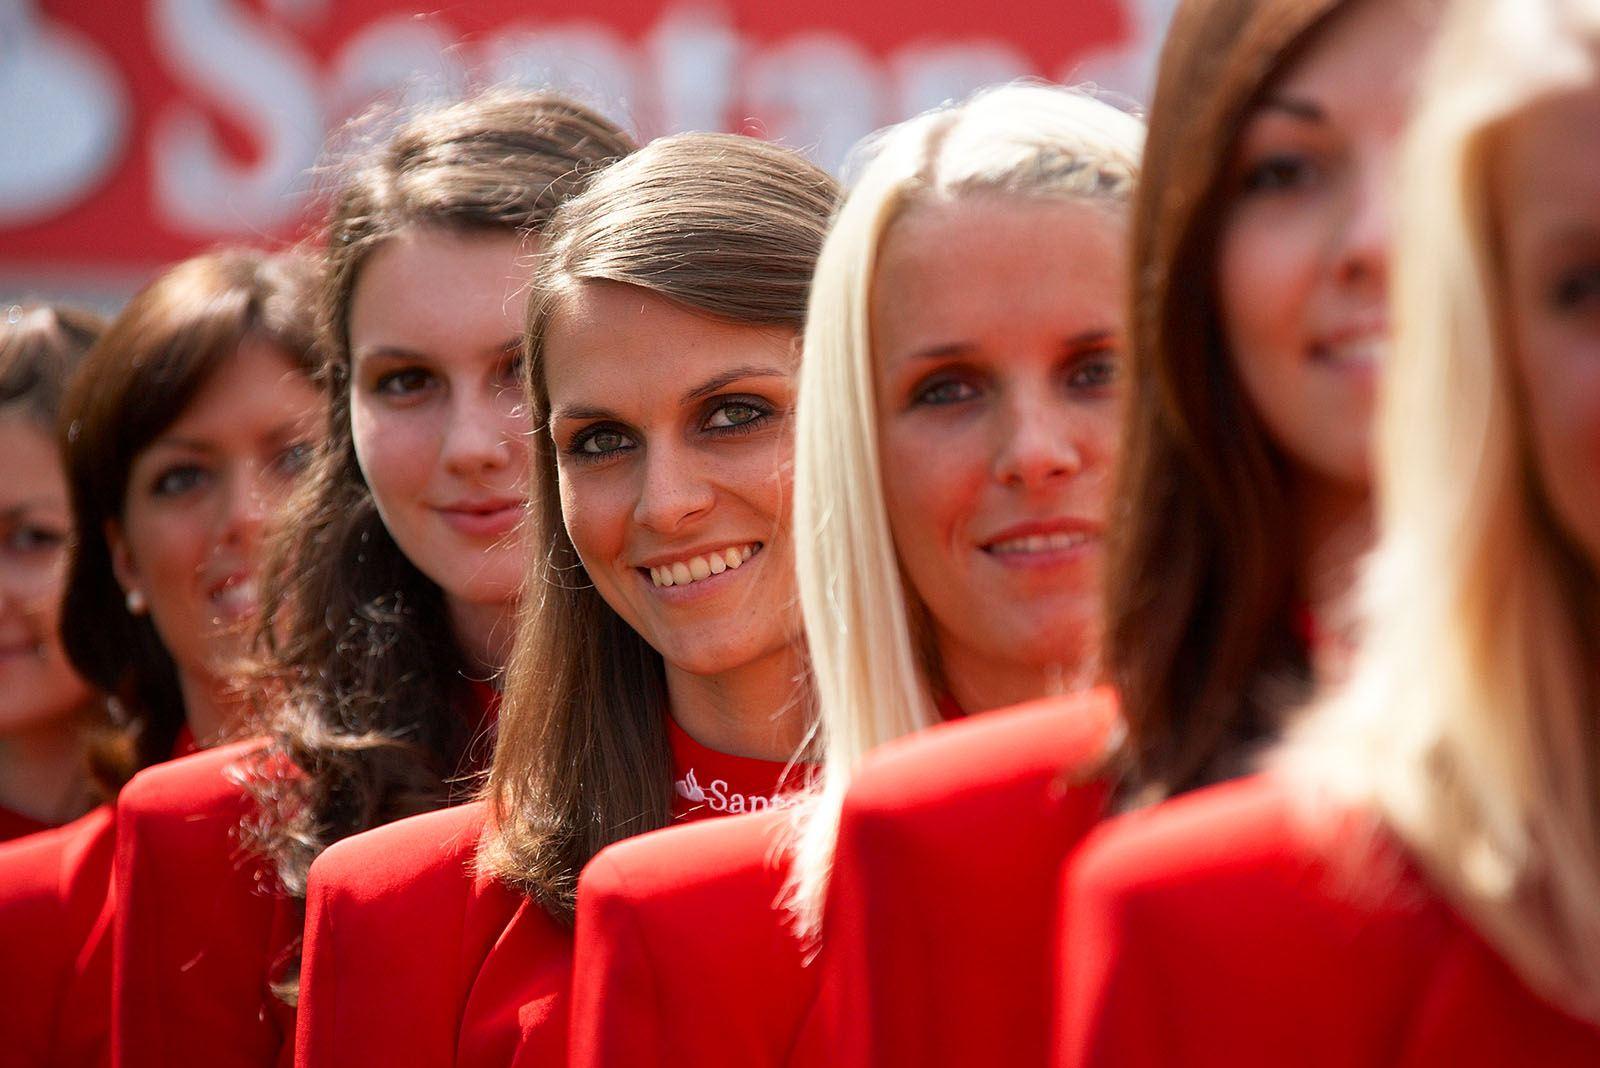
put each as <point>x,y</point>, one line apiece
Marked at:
<point>957,417</point>
<point>1416,879</point>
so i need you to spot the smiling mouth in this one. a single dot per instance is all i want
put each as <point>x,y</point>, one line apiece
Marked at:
<point>236,597</point>
<point>1366,352</point>
<point>1055,542</point>
<point>694,569</point>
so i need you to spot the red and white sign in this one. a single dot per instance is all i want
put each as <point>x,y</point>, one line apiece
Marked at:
<point>137,131</point>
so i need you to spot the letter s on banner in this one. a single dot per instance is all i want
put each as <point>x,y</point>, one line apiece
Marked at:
<point>257,75</point>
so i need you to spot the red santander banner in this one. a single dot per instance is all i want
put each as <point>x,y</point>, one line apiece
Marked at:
<point>138,131</point>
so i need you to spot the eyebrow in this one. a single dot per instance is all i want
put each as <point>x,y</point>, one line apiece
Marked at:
<point>22,508</point>
<point>961,348</point>
<point>1304,110</point>
<point>400,352</point>
<point>705,389</point>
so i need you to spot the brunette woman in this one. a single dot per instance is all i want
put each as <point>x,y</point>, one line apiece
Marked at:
<point>657,675</point>
<point>1259,275</point>
<point>184,427</point>
<point>387,605</point>
<point>45,706</point>
<point>957,418</point>
<point>1417,878</point>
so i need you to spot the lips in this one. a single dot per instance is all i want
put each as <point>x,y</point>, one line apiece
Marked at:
<point>235,596</point>
<point>1044,541</point>
<point>485,518</point>
<point>699,566</point>
<point>1360,346</point>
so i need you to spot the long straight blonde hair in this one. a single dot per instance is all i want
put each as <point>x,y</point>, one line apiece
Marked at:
<point>871,676</point>
<point>1469,722</point>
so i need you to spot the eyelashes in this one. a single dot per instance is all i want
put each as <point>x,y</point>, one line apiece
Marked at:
<point>724,417</point>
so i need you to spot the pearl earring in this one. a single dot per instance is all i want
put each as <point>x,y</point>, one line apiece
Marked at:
<point>137,605</point>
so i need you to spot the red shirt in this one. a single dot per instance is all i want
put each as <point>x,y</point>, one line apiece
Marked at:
<point>197,926</point>
<point>412,958</point>
<point>202,932</point>
<point>1215,930</point>
<point>684,955</point>
<point>57,903</point>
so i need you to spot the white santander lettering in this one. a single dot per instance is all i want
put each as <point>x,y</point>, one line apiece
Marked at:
<point>253,72</point>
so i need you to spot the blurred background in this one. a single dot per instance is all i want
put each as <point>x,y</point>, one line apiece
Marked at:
<point>135,132</point>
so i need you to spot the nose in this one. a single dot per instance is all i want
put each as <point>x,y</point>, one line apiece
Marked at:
<point>480,435</point>
<point>673,491</point>
<point>1035,446</point>
<point>246,505</point>
<point>1363,250</point>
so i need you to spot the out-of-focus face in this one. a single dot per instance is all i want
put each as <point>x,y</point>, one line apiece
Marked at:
<point>436,405</point>
<point>37,684</point>
<point>1548,190</point>
<point>674,441</point>
<point>198,496</point>
<point>997,332</point>
<point>1303,253</point>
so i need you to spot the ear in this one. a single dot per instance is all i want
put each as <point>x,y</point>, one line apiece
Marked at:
<point>122,565</point>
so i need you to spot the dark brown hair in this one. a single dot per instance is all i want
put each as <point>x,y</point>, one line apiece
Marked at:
<point>727,227</point>
<point>40,346</point>
<point>1200,638</point>
<point>133,384</point>
<point>366,675</point>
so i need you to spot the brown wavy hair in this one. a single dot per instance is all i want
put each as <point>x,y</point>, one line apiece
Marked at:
<point>365,676</point>
<point>134,383</point>
<point>1200,639</point>
<point>728,227</point>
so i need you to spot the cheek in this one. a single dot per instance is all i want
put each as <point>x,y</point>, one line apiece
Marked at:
<point>396,454</point>
<point>595,510</point>
<point>1565,400</point>
<point>932,483</point>
<point>1264,272</point>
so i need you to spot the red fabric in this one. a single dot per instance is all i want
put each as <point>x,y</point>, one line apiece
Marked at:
<point>480,971</point>
<point>55,908</point>
<point>983,810</point>
<point>684,957</point>
<point>197,929</point>
<point>201,934</point>
<point>1218,930</point>
<point>15,824</point>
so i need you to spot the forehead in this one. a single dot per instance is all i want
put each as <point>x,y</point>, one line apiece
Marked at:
<point>978,264</point>
<point>33,468</point>
<point>1362,60</point>
<point>426,288</point>
<point>258,386</point>
<point>608,342</point>
<point>1547,161</point>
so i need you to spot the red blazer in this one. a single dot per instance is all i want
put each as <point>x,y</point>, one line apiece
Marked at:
<point>943,892</point>
<point>681,956</point>
<point>481,971</point>
<point>1215,930</point>
<point>684,957</point>
<point>55,914</point>
<point>197,929</point>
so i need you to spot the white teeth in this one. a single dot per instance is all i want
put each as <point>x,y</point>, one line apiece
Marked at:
<point>1041,543</point>
<point>1372,352</point>
<point>696,568</point>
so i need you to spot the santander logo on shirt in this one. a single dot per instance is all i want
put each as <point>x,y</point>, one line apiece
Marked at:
<point>718,796</point>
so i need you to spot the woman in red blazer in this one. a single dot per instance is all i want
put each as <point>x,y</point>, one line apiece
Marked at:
<point>1416,879</point>
<point>969,300</point>
<point>1259,248</point>
<point>654,675</point>
<point>45,706</point>
<point>401,539</point>
<point>184,424</point>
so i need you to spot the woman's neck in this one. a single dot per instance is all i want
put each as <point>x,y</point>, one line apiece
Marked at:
<point>1335,531</point>
<point>212,707</point>
<point>755,710</point>
<point>483,633</point>
<point>42,772</point>
<point>978,682</point>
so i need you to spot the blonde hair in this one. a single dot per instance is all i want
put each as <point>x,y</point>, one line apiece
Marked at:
<point>871,677</point>
<point>1468,724</point>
